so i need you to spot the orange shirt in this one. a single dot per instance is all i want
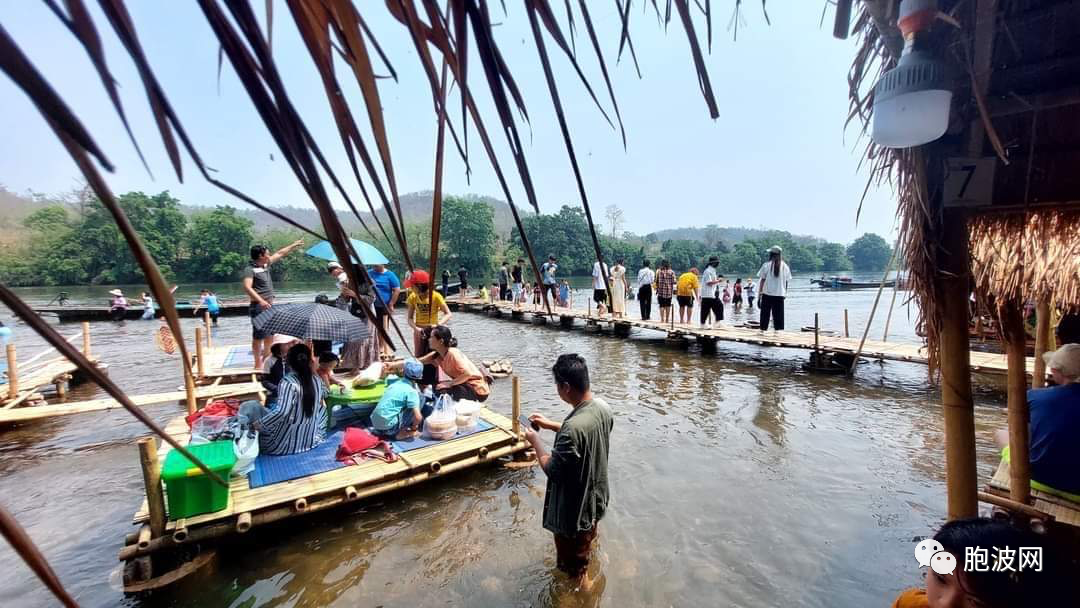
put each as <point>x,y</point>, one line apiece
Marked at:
<point>455,364</point>
<point>912,598</point>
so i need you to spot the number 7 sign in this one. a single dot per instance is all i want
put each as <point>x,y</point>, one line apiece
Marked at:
<point>969,182</point>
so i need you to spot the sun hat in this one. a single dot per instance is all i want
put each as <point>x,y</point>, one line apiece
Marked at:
<point>283,339</point>
<point>419,277</point>
<point>116,292</point>
<point>414,370</point>
<point>775,249</point>
<point>1065,360</point>
<point>333,265</point>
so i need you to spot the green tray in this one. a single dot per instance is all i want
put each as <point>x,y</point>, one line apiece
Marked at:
<point>366,394</point>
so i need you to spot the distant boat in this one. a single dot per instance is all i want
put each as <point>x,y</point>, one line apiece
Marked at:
<point>845,283</point>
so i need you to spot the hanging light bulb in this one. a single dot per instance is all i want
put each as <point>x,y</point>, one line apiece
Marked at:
<point>912,100</point>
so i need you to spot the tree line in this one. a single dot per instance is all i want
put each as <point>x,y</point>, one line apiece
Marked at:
<point>79,244</point>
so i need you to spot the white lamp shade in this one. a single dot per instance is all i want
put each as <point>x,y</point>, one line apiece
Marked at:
<point>911,102</point>
<point>911,119</point>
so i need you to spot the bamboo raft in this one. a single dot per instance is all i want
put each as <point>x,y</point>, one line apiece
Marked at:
<point>26,378</point>
<point>249,508</point>
<point>987,363</point>
<point>1046,506</point>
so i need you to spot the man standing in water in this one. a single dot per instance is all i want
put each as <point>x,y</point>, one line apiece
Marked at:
<point>260,290</point>
<point>576,468</point>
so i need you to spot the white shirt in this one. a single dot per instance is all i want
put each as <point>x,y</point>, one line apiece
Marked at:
<point>597,276</point>
<point>775,285</point>
<point>707,290</point>
<point>645,276</point>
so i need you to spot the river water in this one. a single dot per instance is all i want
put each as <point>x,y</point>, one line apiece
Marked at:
<point>737,479</point>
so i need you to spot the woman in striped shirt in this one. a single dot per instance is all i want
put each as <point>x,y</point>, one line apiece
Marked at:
<point>297,424</point>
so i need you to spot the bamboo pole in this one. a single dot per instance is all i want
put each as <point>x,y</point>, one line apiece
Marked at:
<point>846,333</point>
<point>86,339</point>
<point>515,425</point>
<point>200,359</point>
<point>954,357</point>
<point>1042,343</point>
<point>12,372</point>
<point>873,310</point>
<point>888,318</point>
<point>189,392</point>
<point>1012,326</point>
<point>206,322</point>
<point>155,500</point>
<point>816,339</point>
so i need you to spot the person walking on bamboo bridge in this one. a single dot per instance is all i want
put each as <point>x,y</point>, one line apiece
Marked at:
<point>577,480</point>
<point>645,279</point>
<point>773,279</point>
<point>685,291</point>
<point>710,294</point>
<point>259,287</point>
<point>665,290</point>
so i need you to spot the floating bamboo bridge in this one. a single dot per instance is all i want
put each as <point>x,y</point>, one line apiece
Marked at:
<point>568,318</point>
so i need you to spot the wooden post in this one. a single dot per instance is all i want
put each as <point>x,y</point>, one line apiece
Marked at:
<point>151,471</point>
<point>200,358</point>
<point>86,339</point>
<point>846,334</point>
<point>1042,342</point>
<point>888,318</point>
<point>1012,327</point>
<point>12,372</point>
<point>515,425</point>
<point>816,345</point>
<point>206,321</point>
<point>954,357</point>
<point>189,389</point>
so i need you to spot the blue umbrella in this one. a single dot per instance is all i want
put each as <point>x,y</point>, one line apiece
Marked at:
<point>368,253</point>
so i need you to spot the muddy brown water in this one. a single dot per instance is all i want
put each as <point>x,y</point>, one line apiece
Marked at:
<point>737,479</point>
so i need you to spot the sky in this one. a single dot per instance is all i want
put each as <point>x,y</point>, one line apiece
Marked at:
<point>777,157</point>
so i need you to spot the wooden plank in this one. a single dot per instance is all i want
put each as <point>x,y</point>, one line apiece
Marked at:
<point>95,405</point>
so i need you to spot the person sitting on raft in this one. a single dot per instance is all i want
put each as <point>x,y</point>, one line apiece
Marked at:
<point>398,414</point>
<point>466,381</point>
<point>1054,426</point>
<point>297,424</point>
<point>327,362</point>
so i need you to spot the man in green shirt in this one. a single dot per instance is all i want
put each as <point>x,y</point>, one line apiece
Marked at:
<point>577,486</point>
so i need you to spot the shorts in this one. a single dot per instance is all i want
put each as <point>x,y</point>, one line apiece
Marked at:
<point>516,288</point>
<point>381,313</point>
<point>214,315</point>
<point>572,552</point>
<point>737,300</point>
<point>664,302</point>
<point>685,300</point>
<point>253,311</point>
<point>599,296</point>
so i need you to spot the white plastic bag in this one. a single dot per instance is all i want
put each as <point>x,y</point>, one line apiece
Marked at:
<point>369,375</point>
<point>442,423</point>
<point>246,448</point>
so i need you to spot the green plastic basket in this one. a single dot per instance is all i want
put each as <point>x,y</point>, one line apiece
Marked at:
<point>190,492</point>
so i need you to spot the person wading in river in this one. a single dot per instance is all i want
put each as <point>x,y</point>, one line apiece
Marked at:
<point>577,485</point>
<point>774,277</point>
<point>260,290</point>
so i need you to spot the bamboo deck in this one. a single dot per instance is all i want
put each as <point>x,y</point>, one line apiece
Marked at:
<point>21,414</point>
<point>47,373</point>
<point>1063,510</point>
<point>988,363</point>
<point>251,507</point>
<point>215,364</point>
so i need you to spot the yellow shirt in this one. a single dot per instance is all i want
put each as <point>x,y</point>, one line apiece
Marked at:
<point>425,317</point>
<point>687,285</point>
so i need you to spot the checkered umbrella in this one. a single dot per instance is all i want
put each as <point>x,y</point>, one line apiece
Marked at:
<point>312,322</point>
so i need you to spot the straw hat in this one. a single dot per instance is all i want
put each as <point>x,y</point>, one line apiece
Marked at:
<point>116,292</point>
<point>1065,360</point>
<point>775,249</point>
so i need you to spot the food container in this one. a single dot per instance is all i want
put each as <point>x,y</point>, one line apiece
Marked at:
<point>468,414</point>
<point>190,492</point>
<point>442,428</point>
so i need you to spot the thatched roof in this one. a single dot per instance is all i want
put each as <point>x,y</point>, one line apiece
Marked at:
<point>1016,90</point>
<point>1028,256</point>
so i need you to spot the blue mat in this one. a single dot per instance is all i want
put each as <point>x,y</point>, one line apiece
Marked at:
<point>276,469</point>
<point>239,356</point>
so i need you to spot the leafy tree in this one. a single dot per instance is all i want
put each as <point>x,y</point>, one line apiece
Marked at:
<point>564,234</point>
<point>219,245</point>
<point>468,235</point>
<point>869,252</point>
<point>684,254</point>
<point>47,221</point>
<point>294,267</point>
<point>834,257</point>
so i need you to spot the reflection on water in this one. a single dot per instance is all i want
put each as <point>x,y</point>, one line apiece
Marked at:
<point>735,477</point>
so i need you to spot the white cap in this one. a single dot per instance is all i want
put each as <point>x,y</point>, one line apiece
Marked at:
<point>1065,360</point>
<point>116,292</point>
<point>333,265</point>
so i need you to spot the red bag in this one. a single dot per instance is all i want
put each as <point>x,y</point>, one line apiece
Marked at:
<point>222,407</point>
<point>359,444</point>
